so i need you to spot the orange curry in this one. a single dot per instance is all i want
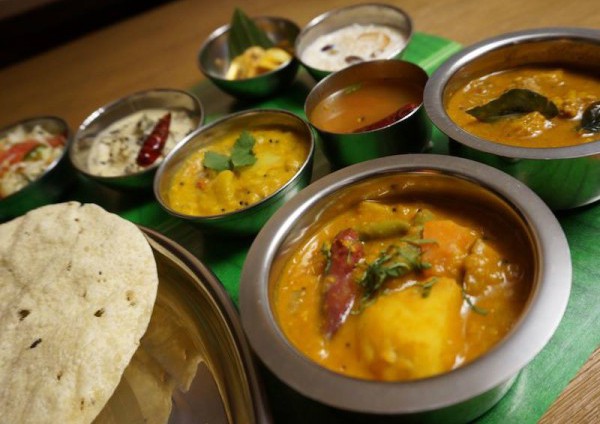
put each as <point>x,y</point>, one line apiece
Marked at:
<point>571,92</point>
<point>402,290</point>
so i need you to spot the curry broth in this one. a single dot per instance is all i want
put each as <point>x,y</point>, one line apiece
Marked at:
<point>571,91</point>
<point>360,105</point>
<point>442,331</point>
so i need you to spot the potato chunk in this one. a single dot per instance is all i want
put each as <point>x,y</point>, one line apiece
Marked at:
<point>405,335</point>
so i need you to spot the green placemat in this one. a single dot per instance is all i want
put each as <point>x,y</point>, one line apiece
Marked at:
<point>537,385</point>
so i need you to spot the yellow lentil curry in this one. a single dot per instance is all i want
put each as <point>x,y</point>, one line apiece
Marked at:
<point>272,157</point>
<point>402,290</point>
<point>568,91</point>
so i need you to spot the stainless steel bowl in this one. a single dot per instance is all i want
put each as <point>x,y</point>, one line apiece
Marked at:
<point>410,134</point>
<point>457,396</point>
<point>564,177</point>
<point>249,220</point>
<point>362,14</point>
<point>52,183</point>
<point>213,60</point>
<point>103,117</point>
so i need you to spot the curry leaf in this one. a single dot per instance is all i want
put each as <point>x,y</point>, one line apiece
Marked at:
<point>590,121</point>
<point>244,33</point>
<point>512,102</point>
<point>216,161</point>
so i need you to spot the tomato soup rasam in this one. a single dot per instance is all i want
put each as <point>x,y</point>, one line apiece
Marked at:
<point>367,105</point>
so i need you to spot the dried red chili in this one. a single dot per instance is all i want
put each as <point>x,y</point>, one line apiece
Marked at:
<point>155,142</point>
<point>340,289</point>
<point>390,119</point>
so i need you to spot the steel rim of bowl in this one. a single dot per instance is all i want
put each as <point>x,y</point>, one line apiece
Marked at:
<point>68,142</point>
<point>320,19</point>
<point>108,106</point>
<point>220,121</point>
<point>224,29</point>
<point>434,91</point>
<point>537,324</point>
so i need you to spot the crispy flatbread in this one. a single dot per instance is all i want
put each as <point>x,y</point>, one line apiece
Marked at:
<point>77,288</point>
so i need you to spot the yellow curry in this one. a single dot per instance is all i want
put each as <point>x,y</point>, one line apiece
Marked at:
<point>272,157</point>
<point>568,93</point>
<point>402,290</point>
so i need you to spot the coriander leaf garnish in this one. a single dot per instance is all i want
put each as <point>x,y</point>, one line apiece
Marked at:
<point>216,161</point>
<point>474,307</point>
<point>326,251</point>
<point>427,286</point>
<point>241,155</point>
<point>395,261</point>
<point>512,102</point>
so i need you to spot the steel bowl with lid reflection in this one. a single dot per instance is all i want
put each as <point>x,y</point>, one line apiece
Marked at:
<point>43,166</point>
<point>369,110</point>
<point>214,60</point>
<point>232,200</point>
<point>292,239</point>
<point>109,141</point>
<point>565,177</point>
<point>348,35</point>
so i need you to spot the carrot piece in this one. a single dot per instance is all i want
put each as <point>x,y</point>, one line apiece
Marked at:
<point>450,246</point>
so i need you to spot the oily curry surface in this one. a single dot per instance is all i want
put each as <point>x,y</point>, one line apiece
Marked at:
<point>571,92</point>
<point>403,290</point>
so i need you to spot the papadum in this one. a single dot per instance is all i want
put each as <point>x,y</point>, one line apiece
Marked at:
<point>77,288</point>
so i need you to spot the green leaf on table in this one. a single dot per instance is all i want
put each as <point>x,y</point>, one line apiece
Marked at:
<point>241,154</point>
<point>590,121</point>
<point>244,33</point>
<point>513,102</point>
<point>216,161</point>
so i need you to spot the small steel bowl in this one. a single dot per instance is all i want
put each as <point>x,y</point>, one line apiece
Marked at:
<point>411,134</point>
<point>249,220</point>
<point>214,60</point>
<point>564,177</point>
<point>460,395</point>
<point>94,124</point>
<point>49,186</point>
<point>362,14</point>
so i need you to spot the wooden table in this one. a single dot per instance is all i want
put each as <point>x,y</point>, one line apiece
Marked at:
<point>158,49</point>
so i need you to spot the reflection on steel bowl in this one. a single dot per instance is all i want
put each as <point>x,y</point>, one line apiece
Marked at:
<point>353,34</point>
<point>369,110</point>
<point>538,126</point>
<point>234,173</point>
<point>370,262</point>
<point>122,143</point>
<point>34,169</point>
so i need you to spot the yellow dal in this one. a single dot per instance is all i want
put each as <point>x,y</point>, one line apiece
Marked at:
<point>196,190</point>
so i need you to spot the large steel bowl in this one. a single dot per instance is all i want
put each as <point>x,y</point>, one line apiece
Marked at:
<point>462,394</point>
<point>565,177</point>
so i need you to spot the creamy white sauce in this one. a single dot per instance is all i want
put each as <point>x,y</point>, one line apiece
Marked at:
<point>352,44</point>
<point>114,151</point>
